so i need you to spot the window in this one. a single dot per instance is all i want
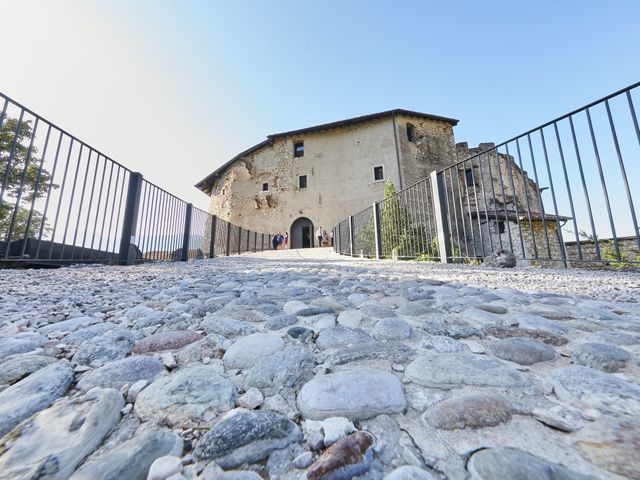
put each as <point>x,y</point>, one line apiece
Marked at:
<point>500,228</point>
<point>378,173</point>
<point>224,191</point>
<point>302,181</point>
<point>468,173</point>
<point>265,187</point>
<point>298,149</point>
<point>411,132</point>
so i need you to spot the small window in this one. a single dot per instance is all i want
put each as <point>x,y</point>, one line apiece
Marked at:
<point>302,181</point>
<point>500,228</point>
<point>468,173</point>
<point>378,173</point>
<point>224,191</point>
<point>298,149</point>
<point>411,132</point>
<point>265,187</point>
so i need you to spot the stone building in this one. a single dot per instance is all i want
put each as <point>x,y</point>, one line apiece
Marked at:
<point>299,180</point>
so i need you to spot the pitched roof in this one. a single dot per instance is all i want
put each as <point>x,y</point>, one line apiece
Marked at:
<point>206,183</point>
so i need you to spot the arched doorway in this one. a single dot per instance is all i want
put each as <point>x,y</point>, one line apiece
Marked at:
<point>302,233</point>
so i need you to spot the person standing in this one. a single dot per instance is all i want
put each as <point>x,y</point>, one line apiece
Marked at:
<point>276,241</point>
<point>286,240</point>
<point>319,236</point>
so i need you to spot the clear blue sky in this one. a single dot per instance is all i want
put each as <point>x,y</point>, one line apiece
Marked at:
<point>176,88</point>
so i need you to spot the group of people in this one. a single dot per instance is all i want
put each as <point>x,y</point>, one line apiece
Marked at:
<point>279,241</point>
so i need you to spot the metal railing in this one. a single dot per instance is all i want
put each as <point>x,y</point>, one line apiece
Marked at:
<point>63,201</point>
<point>565,192</point>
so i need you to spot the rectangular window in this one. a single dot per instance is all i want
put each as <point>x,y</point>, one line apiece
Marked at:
<point>378,173</point>
<point>265,187</point>
<point>411,132</point>
<point>501,228</point>
<point>298,149</point>
<point>468,173</point>
<point>302,181</point>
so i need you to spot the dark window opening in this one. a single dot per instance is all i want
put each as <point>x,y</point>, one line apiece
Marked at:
<point>302,181</point>
<point>468,173</point>
<point>411,132</point>
<point>298,149</point>
<point>378,173</point>
<point>265,187</point>
<point>500,228</point>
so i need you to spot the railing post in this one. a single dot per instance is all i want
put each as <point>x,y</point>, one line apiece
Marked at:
<point>269,242</point>
<point>338,245</point>
<point>351,239</point>
<point>239,240</point>
<point>187,231</point>
<point>255,241</point>
<point>127,238</point>
<point>377,230</point>
<point>440,207</point>
<point>248,241</point>
<point>212,236</point>
<point>228,250</point>
<point>262,242</point>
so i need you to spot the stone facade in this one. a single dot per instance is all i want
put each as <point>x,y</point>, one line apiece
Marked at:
<point>261,188</point>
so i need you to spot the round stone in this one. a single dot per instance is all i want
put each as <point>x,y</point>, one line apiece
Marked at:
<point>194,392</point>
<point>283,369</point>
<point>348,457</point>
<point>469,411</point>
<point>511,463</point>
<point>122,372</point>
<point>166,341</point>
<point>249,350</point>
<point>597,389</point>
<point>523,350</point>
<point>600,356</point>
<point>339,337</point>
<point>246,437</point>
<point>453,370</point>
<point>392,329</point>
<point>355,394</point>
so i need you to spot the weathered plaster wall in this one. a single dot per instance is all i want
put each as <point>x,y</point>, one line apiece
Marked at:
<point>339,167</point>
<point>432,148</point>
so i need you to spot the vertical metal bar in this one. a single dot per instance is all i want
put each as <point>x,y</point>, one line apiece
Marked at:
<point>553,196</point>
<point>586,193</point>
<point>376,230</point>
<point>493,194</point>
<point>36,188</point>
<point>187,231</point>
<point>3,115</point>
<point>84,186</point>
<point>111,254</point>
<point>151,192</point>
<point>466,194</point>
<point>239,240</point>
<point>21,189</point>
<point>164,237</point>
<point>104,213</point>
<point>623,171</point>
<point>113,209</point>
<point>462,216</point>
<point>46,204</point>
<point>64,180</point>
<point>568,185</point>
<point>452,206</point>
<point>525,187</point>
<point>504,199</point>
<point>351,236</point>
<point>73,194</point>
<point>486,205</point>
<point>602,180</point>
<point>515,198</point>
<point>634,118</point>
<point>541,204</point>
<point>439,203</point>
<point>228,249</point>
<point>95,223</point>
<point>212,237</point>
<point>475,201</point>
<point>93,186</point>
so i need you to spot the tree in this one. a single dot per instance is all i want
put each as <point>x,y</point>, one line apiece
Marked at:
<point>20,165</point>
